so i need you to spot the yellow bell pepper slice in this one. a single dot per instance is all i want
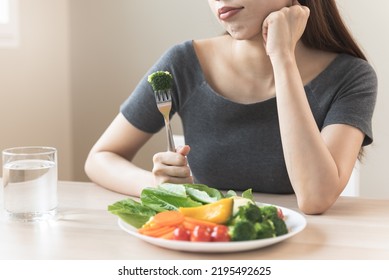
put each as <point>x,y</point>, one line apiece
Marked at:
<point>217,212</point>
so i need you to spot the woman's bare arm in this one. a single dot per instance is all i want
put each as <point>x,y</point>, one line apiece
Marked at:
<point>319,164</point>
<point>109,161</point>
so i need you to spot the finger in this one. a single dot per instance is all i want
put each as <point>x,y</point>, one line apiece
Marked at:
<point>179,171</point>
<point>265,30</point>
<point>175,180</point>
<point>166,173</point>
<point>296,2</point>
<point>170,158</point>
<point>183,150</point>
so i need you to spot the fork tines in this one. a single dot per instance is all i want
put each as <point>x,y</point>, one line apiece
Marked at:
<point>163,96</point>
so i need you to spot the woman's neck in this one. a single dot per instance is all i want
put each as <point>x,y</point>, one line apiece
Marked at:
<point>249,56</point>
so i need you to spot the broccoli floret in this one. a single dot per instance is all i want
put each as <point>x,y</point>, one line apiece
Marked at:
<point>271,213</point>
<point>250,212</point>
<point>242,230</point>
<point>160,80</point>
<point>264,230</point>
<point>254,222</point>
<point>279,226</point>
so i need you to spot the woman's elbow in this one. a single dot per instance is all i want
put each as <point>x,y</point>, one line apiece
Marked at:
<point>315,204</point>
<point>311,208</point>
<point>88,166</point>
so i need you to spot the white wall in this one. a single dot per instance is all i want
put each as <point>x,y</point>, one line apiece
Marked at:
<point>35,84</point>
<point>368,20</point>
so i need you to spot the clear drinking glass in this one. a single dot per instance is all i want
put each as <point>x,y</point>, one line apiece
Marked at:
<point>30,183</point>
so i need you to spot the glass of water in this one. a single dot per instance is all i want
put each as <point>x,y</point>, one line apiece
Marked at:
<point>30,183</point>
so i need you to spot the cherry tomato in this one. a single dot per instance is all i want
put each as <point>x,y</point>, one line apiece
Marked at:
<point>200,234</point>
<point>220,234</point>
<point>280,213</point>
<point>181,233</point>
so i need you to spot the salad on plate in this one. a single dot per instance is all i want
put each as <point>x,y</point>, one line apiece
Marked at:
<point>198,213</point>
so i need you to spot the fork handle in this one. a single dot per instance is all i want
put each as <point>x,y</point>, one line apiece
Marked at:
<point>171,147</point>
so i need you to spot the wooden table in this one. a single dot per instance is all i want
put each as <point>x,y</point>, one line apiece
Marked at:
<point>355,228</point>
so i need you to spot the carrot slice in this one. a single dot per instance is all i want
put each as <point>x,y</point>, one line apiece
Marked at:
<point>168,218</point>
<point>189,226</point>
<point>190,220</point>
<point>156,232</point>
<point>163,224</point>
<point>169,235</point>
<point>150,225</point>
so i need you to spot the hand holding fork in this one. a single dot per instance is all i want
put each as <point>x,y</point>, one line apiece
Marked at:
<point>161,81</point>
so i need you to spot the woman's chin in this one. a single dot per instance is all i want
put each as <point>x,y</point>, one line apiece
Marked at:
<point>244,34</point>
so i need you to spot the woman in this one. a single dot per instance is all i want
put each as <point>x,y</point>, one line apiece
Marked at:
<point>281,104</point>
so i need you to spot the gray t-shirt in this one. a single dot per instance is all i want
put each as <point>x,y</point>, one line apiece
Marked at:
<point>238,146</point>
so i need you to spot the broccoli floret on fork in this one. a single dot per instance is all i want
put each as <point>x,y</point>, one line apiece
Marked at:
<point>160,80</point>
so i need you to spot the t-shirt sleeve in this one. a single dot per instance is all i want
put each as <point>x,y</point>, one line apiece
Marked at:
<point>355,101</point>
<point>140,108</point>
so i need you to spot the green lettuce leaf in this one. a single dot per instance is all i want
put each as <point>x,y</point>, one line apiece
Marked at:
<point>176,189</point>
<point>231,193</point>
<point>160,199</point>
<point>132,212</point>
<point>203,193</point>
<point>248,194</point>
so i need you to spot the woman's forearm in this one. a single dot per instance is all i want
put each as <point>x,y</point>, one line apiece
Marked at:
<point>312,170</point>
<point>117,174</point>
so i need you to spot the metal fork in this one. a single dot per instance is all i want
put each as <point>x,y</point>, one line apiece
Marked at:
<point>164,104</point>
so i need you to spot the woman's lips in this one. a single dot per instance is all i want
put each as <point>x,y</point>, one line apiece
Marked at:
<point>228,12</point>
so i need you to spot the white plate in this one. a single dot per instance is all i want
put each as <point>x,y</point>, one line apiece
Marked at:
<point>294,221</point>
